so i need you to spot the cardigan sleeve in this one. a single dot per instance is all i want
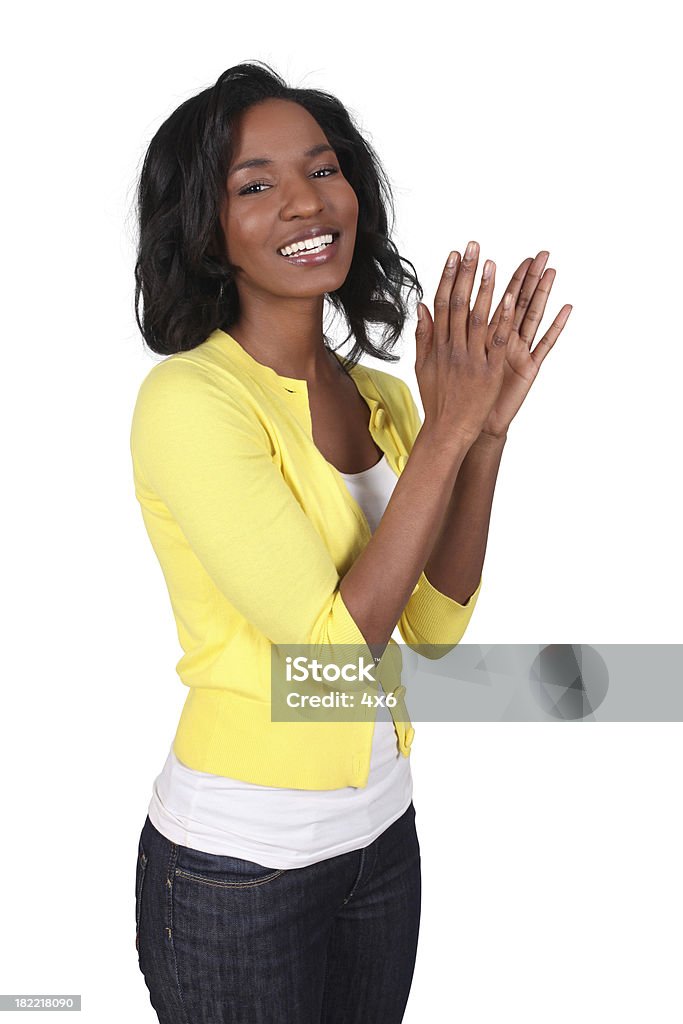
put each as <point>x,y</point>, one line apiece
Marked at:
<point>208,458</point>
<point>431,617</point>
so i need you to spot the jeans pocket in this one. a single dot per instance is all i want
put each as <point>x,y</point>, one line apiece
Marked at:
<point>223,871</point>
<point>140,871</point>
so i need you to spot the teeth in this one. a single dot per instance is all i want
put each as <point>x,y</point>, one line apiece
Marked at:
<point>309,245</point>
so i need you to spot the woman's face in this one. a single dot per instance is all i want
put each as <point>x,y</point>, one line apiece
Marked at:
<point>268,205</point>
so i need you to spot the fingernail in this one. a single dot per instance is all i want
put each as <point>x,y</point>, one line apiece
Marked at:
<point>488,269</point>
<point>451,259</point>
<point>471,250</point>
<point>507,301</point>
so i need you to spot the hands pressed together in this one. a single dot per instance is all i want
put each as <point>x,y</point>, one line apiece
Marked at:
<point>474,374</point>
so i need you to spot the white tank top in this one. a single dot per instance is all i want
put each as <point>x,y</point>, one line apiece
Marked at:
<point>290,828</point>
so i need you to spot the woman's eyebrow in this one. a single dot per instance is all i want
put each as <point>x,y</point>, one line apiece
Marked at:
<point>263,161</point>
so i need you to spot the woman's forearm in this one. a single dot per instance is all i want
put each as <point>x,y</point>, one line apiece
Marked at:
<point>455,563</point>
<point>378,585</point>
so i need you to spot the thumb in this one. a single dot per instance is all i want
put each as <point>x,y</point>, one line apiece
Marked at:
<point>423,336</point>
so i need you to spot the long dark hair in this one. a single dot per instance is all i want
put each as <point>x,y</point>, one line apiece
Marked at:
<point>184,282</point>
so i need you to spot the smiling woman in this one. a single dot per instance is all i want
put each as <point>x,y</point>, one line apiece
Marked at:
<point>303,197</point>
<point>202,190</point>
<point>292,497</point>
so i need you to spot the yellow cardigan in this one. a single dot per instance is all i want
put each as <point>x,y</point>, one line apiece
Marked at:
<point>254,529</point>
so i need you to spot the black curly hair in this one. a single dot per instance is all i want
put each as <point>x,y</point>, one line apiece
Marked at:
<point>183,279</point>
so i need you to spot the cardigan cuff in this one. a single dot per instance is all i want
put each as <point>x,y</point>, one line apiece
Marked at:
<point>431,617</point>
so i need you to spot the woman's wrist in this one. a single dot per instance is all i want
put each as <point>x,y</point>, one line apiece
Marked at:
<point>450,443</point>
<point>489,442</point>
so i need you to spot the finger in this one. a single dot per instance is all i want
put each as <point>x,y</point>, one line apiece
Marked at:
<point>515,285</point>
<point>551,335</point>
<point>500,333</point>
<point>442,300</point>
<point>477,330</point>
<point>460,296</point>
<point>423,337</point>
<point>534,313</point>
<point>529,285</point>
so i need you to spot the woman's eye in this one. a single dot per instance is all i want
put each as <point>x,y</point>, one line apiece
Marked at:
<point>257,184</point>
<point>332,170</point>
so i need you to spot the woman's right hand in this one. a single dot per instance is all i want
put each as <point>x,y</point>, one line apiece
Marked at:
<point>460,357</point>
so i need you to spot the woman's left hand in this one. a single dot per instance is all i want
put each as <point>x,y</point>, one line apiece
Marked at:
<point>530,293</point>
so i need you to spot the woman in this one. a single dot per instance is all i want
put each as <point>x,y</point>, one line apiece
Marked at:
<point>294,497</point>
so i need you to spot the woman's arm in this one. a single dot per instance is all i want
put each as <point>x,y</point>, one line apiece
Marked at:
<point>455,564</point>
<point>385,586</point>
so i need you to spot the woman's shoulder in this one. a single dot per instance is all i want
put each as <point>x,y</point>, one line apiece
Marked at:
<point>190,376</point>
<point>189,395</point>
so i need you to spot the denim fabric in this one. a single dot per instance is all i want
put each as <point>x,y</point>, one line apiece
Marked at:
<point>223,940</point>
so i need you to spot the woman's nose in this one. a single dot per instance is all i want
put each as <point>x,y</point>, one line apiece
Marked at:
<point>302,198</point>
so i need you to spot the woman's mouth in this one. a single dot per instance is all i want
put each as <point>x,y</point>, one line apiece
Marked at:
<point>314,256</point>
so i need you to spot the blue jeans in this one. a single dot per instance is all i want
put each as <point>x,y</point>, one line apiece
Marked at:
<point>223,940</point>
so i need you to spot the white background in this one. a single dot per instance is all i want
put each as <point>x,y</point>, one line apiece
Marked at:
<point>551,853</point>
